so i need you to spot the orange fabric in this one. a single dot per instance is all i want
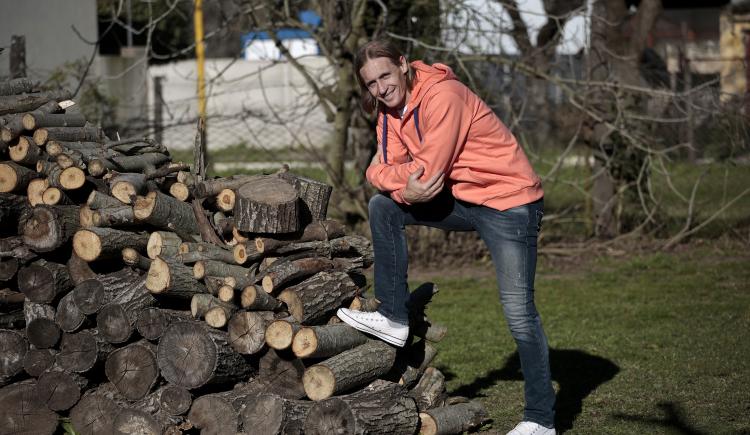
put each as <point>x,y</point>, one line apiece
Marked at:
<point>462,137</point>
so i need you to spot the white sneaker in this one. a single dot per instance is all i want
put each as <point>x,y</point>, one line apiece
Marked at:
<point>376,324</point>
<point>531,428</point>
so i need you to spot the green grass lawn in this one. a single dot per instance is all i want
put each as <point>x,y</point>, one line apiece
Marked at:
<point>652,343</point>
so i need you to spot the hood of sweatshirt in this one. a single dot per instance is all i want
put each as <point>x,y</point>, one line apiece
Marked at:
<point>425,76</point>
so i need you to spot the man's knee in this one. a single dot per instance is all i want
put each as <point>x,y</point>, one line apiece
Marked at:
<point>381,205</point>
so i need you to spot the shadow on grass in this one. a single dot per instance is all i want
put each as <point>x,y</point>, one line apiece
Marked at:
<point>577,373</point>
<point>674,419</point>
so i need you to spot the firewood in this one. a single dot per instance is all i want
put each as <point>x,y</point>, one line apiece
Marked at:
<point>80,351</point>
<point>15,178</point>
<point>20,410</point>
<point>163,243</point>
<point>192,355</point>
<point>68,134</point>
<point>8,269</point>
<point>16,86</point>
<point>153,322</point>
<point>125,187</point>
<point>325,341</point>
<point>96,411</point>
<point>41,329</point>
<point>133,258</point>
<point>267,205</point>
<point>360,303</point>
<point>243,275</point>
<point>37,361</point>
<point>255,298</point>
<point>274,415</point>
<point>174,279</point>
<point>79,270</point>
<point>116,217</point>
<point>180,191</point>
<point>314,196</point>
<point>100,243</point>
<point>318,297</point>
<point>97,200</point>
<point>14,348</point>
<point>323,230</point>
<point>204,306</point>
<point>175,400</point>
<point>283,272</point>
<point>212,187</point>
<point>280,372</point>
<point>144,163</point>
<point>10,299</point>
<point>68,160</point>
<point>225,200</point>
<point>29,102</point>
<point>430,390</point>
<point>39,119</point>
<point>116,320</point>
<point>226,293</point>
<point>167,213</point>
<point>26,152</point>
<point>247,330</point>
<point>13,319</point>
<point>380,408</point>
<point>129,421</point>
<point>55,196</point>
<point>60,390</point>
<point>280,333</point>
<point>86,217</point>
<point>349,369</point>
<point>133,369</point>
<point>68,316</point>
<point>35,190</point>
<point>452,419</point>
<point>43,281</point>
<point>209,251</point>
<point>425,328</point>
<point>67,179</point>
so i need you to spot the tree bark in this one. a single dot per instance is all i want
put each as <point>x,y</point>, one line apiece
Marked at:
<point>192,355</point>
<point>47,228</point>
<point>164,243</point>
<point>380,408</point>
<point>41,329</point>
<point>165,212</point>
<point>97,200</point>
<point>267,205</point>
<point>430,390</point>
<point>322,230</point>
<point>22,85</point>
<point>314,300</point>
<point>44,281</point>
<point>325,341</point>
<point>13,349</point>
<point>349,369</point>
<point>68,134</point>
<point>204,306</point>
<point>79,352</point>
<point>283,272</point>
<point>314,196</point>
<point>153,322</point>
<point>60,390</point>
<point>28,102</point>
<point>14,177</point>
<point>255,298</point>
<point>243,276</point>
<point>173,279</point>
<point>115,217</point>
<point>208,188</point>
<point>95,243</point>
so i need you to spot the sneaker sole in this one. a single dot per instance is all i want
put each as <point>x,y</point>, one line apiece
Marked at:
<point>364,328</point>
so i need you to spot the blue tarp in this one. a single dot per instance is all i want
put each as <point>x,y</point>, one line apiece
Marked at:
<point>308,17</point>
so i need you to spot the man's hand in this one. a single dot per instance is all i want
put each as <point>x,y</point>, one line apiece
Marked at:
<point>417,191</point>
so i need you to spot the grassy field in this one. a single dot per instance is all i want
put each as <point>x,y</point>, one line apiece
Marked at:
<point>641,344</point>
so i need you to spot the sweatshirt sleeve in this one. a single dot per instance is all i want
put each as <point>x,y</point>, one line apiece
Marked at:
<point>394,153</point>
<point>445,119</point>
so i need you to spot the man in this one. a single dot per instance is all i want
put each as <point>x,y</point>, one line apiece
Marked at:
<point>445,160</point>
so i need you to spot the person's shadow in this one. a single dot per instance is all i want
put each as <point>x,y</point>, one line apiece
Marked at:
<point>576,372</point>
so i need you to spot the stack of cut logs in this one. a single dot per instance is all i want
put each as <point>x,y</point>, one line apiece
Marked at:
<point>142,299</point>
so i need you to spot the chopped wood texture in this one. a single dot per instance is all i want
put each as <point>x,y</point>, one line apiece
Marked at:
<point>22,413</point>
<point>247,330</point>
<point>380,408</point>
<point>60,390</point>
<point>42,281</point>
<point>253,297</point>
<point>133,369</point>
<point>326,340</point>
<point>267,205</point>
<point>168,277</point>
<point>318,297</point>
<point>280,333</point>
<point>80,351</point>
<point>16,86</point>
<point>13,349</point>
<point>15,178</point>
<point>323,230</point>
<point>283,272</point>
<point>37,361</point>
<point>153,322</point>
<point>314,196</point>
<point>68,134</point>
<point>95,413</point>
<point>41,329</point>
<point>29,102</point>
<point>430,390</point>
<point>166,212</point>
<point>48,228</point>
<point>175,400</point>
<point>163,243</point>
<point>68,316</point>
<point>94,243</point>
<point>349,369</point>
<point>452,419</point>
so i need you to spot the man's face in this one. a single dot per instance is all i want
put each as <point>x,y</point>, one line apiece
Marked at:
<point>386,81</point>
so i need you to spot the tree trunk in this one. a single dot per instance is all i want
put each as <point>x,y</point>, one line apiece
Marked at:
<point>255,298</point>
<point>267,205</point>
<point>22,413</point>
<point>325,341</point>
<point>192,355</point>
<point>48,227</point>
<point>133,369</point>
<point>380,408</point>
<point>314,300</point>
<point>452,419</point>
<point>349,369</point>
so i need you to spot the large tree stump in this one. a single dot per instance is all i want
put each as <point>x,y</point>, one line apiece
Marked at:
<point>153,322</point>
<point>247,331</point>
<point>325,341</point>
<point>314,196</point>
<point>267,205</point>
<point>100,243</point>
<point>43,281</point>
<point>170,278</point>
<point>47,228</point>
<point>60,390</point>
<point>452,419</point>
<point>133,369</point>
<point>116,320</point>
<point>314,300</point>
<point>349,369</point>
<point>380,408</point>
<point>166,212</point>
<point>41,329</point>
<point>192,355</point>
<point>13,349</point>
<point>274,415</point>
<point>22,413</point>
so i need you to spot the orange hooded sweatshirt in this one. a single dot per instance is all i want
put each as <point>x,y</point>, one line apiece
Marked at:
<point>448,128</point>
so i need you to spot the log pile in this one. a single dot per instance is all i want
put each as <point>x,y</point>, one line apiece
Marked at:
<point>139,298</point>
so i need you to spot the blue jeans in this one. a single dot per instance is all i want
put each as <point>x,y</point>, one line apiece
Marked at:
<point>511,237</point>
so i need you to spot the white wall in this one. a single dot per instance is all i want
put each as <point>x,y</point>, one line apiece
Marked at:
<point>50,39</point>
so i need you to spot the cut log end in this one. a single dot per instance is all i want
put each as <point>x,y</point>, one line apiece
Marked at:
<point>305,342</point>
<point>427,425</point>
<point>319,382</point>
<point>87,245</point>
<point>279,334</point>
<point>124,191</point>
<point>72,178</point>
<point>158,276</point>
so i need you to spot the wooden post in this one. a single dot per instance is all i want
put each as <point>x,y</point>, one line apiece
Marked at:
<point>158,109</point>
<point>17,56</point>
